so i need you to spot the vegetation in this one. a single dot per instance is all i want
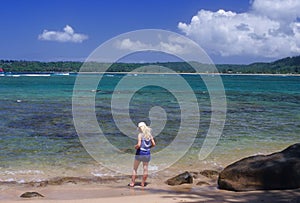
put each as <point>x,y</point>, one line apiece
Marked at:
<point>37,66</point>
<point>289,65</point>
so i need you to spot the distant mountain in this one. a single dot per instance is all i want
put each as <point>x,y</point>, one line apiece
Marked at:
<point>289,65</point>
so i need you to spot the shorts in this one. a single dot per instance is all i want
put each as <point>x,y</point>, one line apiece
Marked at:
<point>142,156</point>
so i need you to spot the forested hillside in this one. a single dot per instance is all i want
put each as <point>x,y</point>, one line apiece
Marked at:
<point>289,65</point>
<point>282,66</point>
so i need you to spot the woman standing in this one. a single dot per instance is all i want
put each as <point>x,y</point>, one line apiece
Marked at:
<point>143,147</point>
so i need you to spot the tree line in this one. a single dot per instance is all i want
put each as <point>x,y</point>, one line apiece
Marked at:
<point>289,65</point>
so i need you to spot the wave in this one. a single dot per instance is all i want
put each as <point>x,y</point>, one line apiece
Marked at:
<point>62,74</point>
<point>63,180</point>
<point>36,75</point>
<point>28,75</point>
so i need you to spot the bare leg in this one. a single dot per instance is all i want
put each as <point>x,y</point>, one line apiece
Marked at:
<point>134,172</point>
<point>145,173</point>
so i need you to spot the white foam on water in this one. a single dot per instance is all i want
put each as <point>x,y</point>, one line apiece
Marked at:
<point>36,75</point>
<point>21,181</point>
<point>97,174</point>
<point>22,172</point>
<point>10,180</point>
<point>153,168</point>
<point>62,74</point>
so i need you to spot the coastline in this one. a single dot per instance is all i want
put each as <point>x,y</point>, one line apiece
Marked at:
<point>222,74</point>
<point>48,74</point>
<point>152,193</point>
<point>203,189</point>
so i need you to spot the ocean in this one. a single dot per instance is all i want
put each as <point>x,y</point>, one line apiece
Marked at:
<point>39,142</point>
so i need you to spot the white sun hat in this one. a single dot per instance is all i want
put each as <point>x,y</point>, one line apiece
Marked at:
<point>141,124</point>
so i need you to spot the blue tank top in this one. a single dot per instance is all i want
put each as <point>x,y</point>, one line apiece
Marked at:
<point>145,145</point>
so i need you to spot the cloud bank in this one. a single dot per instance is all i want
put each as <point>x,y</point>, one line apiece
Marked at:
<point>173,44</point>
<point>271,29</point>
<point>68,35</point>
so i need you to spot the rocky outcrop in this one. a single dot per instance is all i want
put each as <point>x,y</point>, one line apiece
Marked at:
<point>185,177</point>
<point>279,170</point>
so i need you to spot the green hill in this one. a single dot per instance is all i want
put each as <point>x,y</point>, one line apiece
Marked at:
<point>283,66</point>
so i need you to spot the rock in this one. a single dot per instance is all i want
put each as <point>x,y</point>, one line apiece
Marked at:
<point>280,170</point>
<point>202,183</point>
<point>194,174</point>
<point>129,151</point>
<point>38,184</point>
<point>31,195</point>
<point>185,177</point>
<point>210,174</point>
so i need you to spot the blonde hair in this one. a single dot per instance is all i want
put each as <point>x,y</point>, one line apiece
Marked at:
<point>145,130</point>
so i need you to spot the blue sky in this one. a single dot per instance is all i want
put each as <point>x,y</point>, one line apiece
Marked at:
<point>230,31</point>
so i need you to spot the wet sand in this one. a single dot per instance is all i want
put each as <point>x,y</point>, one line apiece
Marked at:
<point>155,191</point>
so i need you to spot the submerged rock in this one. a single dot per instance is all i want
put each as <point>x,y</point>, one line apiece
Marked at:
<point>31,195</point>
<point>185,177</point>
<point>280,170</point>
<point>211,174</point>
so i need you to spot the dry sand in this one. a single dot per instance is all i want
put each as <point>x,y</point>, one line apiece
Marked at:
<point>153,192</point>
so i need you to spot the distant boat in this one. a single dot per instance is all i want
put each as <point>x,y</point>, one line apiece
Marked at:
<point>1,72</point>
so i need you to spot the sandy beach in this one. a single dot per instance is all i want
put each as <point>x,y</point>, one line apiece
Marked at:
<point>148,195</point>
<point>155,191</point>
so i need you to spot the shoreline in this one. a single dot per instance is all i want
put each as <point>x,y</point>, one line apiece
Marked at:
<point>83,193</point>
<point>203,189</point>
<point>31,74</point>
<point>149,73</point>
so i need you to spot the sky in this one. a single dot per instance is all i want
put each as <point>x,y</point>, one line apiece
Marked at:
<point>230,31</point>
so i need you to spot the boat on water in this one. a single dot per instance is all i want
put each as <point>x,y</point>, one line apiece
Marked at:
<point>2,72</point>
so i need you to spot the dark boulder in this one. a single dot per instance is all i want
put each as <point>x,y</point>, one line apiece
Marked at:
<point>185,177</point>
<point>280,170</point>
<point>31,195</point>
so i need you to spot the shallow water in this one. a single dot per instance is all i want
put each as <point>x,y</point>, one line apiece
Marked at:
<point>38,140</point>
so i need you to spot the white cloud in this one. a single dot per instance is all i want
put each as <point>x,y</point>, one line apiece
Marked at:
<point>68,35</point>
<point>174,44</point>
<point>269,29</point>
<point>286,10</point>
<point>128,44</point>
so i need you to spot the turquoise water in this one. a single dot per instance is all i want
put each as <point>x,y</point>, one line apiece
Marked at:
<point>38,139</point>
